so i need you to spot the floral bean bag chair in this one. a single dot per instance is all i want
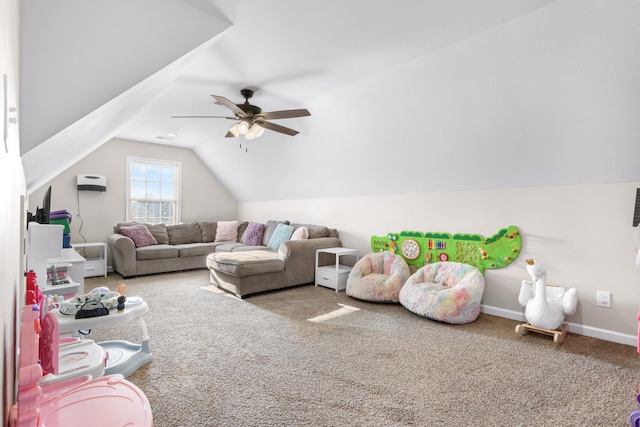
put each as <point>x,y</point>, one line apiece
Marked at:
<point>445,291</point>
<point>378,277</point>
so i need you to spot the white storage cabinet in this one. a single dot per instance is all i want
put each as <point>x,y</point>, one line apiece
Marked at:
<point>335,275</point>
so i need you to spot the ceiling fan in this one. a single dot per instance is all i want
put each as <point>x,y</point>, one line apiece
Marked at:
<point>251,120</point>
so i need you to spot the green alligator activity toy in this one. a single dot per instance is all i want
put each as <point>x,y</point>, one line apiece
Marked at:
<point>419,248</point>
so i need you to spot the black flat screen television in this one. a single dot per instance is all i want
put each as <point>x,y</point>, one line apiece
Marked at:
<point>43,213</point>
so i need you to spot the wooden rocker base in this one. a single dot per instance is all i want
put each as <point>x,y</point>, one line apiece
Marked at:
<point>558,334</point>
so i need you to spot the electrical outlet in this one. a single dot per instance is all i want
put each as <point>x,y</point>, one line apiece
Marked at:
<point>603,299</point>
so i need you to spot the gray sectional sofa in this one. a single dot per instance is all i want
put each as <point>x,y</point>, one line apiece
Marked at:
<point>235,266</point>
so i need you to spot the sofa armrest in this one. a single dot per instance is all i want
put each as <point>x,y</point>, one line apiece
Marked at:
<point>299,258</point>
<point>123,254</point>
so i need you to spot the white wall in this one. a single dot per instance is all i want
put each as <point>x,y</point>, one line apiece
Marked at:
<point>12,206</point>
<point>97,212</point>
<point>582,234</point>
<point>550,98</point>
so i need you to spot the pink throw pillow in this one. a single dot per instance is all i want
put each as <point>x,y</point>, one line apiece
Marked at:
<point>227,231</point>
<point>301,233</point>
<point>140,235</point>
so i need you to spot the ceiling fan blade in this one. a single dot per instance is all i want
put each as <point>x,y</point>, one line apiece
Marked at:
<point>204,117</point>
<point>277,128</point>
<point>230,105</point>
<point>284,114</point>
<point>230,135</point>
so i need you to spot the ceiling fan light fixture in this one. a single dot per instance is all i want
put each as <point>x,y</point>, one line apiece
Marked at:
<point>255,131</point>
<point>243,127</point>
<point>234,130</point>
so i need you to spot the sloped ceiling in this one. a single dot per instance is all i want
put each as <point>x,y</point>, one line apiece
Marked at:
<point>405,96</point>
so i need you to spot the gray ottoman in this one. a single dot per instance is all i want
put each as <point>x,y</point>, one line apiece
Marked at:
<point>247,272</point>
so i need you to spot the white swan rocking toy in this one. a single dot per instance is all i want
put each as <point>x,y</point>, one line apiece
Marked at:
<point>545,306</point>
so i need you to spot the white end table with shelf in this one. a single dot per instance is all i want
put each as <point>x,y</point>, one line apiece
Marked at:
<point>94,266</point>
<point>335,276</point>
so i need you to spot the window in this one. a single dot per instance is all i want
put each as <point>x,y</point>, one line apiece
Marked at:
<point>153,190</point>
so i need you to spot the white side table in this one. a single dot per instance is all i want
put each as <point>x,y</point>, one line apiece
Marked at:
<point>94,266</point>
<point>335,276</point>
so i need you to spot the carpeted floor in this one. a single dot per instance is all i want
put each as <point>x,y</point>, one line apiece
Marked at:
<point>308,356</point>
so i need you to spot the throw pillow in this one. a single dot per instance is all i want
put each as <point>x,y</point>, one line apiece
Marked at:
<point>180,234</point>
<point>269,228</point>
<point>118,226</point>
<point>281,234</point>
<point>253,234</point>
<point>208,229</point>
<point>227,231</point>
<point>300,233</point>
<point>140,235</point>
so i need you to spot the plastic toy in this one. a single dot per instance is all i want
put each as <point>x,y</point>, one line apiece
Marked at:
<point>545,306</point>
<point>67,403</point>
<point>419,248</point>
<point>634,418</point>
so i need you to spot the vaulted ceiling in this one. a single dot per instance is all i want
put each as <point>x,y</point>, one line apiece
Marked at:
<point>404,95</point>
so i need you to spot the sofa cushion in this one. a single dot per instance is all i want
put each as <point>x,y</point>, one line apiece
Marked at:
<point>140,235</point>
<point>269,228</point>
<point>241,248</point>
<point>227,231</point>
<point>315,231</point>
<point>195,249</point>
<point>242,227</point>
<point>156,252</point>
<point>179,234</point>
<point>228,246</point>
<point>300,233</point>
<point>208,230</point>
<point>253,234</point>
<point>281,234</point>
<point>159,231</point>
<point>247,263</point>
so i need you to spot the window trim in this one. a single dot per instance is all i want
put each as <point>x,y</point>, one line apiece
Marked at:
<point>178,184</point>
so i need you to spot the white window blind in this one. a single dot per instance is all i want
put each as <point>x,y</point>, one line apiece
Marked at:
<point>153,190</point>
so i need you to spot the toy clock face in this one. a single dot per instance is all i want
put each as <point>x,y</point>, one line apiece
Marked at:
<point>410,249</point>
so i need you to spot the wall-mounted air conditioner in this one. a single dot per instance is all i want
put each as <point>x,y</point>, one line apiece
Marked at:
<point>92,183</point>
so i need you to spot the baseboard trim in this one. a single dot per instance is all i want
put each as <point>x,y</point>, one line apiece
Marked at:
<point>576,328</point>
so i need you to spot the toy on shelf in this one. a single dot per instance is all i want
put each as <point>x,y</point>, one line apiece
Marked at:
<point>419,248</point>
<point>545,305</point>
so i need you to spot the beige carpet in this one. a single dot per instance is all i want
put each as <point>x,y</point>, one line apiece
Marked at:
<point>261,361</point>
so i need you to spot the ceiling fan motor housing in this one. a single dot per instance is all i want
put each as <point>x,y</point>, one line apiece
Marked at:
<point>250,110</point>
